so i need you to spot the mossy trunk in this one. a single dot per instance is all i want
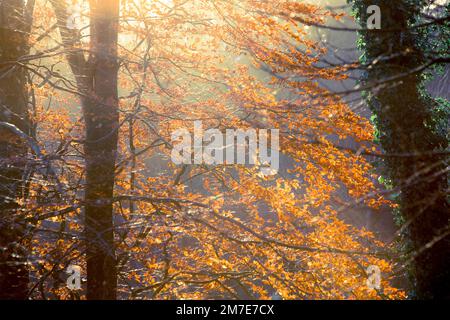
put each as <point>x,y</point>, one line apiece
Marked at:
<point>408,134</point>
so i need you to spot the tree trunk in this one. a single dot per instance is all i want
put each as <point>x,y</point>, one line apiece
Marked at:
<point>405,123</point>
<point>97,83</point>
<point>102,122</point>
<point>14,30</point>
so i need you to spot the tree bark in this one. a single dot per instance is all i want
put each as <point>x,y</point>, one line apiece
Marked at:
<point>404,119</point>
<point>97,84</point>
<point>15,22</point>
<point>102,122</point>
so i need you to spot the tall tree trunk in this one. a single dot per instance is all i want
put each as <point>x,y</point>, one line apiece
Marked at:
<point>405,123</point>
<point>102,122</point>
<point>97,83</point>
<point>15,21</point>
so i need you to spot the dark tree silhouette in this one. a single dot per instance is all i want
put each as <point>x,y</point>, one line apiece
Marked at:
<point>15,24</point>
<point>97,84</point>
<point>404,117</point>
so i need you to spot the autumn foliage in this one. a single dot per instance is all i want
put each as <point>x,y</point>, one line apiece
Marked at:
<point>208,231</point>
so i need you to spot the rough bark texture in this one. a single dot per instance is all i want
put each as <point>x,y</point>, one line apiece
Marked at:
<point>405,124</point>
<point>14,30</point>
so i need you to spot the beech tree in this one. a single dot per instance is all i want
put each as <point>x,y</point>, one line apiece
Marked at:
<point>97,84</point>
<point>142,228</point>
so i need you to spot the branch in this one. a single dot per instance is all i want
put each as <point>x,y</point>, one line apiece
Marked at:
<point>71,41</point>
